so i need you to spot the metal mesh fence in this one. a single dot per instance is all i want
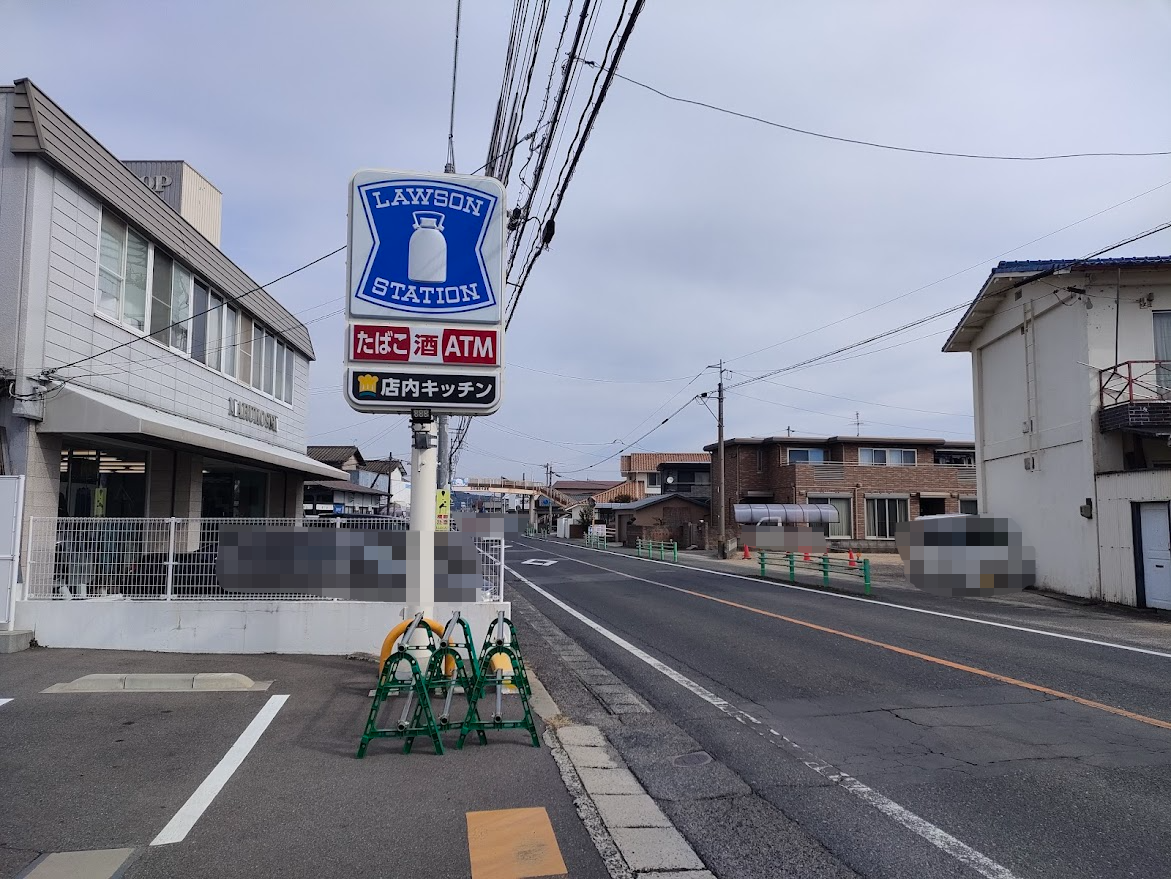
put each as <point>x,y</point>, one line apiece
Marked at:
<point>87,558</point>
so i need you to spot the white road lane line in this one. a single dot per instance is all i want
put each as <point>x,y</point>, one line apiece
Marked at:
<point>179,826</point>
<point>4,701</point>
<point>938,837</point>
<point>934,613</point>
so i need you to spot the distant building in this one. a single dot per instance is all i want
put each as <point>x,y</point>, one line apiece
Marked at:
<point>374,486</point>
<point>874,482</point>
<point>643,467</point>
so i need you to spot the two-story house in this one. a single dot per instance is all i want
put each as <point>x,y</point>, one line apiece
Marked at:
<point>373,487</point>
<point>874,482</point>
<point>146,375</point>
<point>1071,378</point>
<point>643,468</point>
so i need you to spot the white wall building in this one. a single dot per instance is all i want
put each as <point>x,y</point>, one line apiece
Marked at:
<point>145,374</point>
<point>1071,374</point>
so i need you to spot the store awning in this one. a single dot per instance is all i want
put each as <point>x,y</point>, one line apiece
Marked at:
<point>79,410</point>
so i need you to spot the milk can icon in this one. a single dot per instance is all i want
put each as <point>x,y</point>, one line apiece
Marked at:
<point>427,250</point>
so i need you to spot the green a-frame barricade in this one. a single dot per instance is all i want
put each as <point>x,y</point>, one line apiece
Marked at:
<point>518,679</point>
<point>438,679</point>
<point>421,720</point>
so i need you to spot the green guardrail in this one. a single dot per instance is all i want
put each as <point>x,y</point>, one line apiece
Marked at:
<point>597,541</point>
<point>530,531</point>
<point>661,545</point>
<point>824,564</point>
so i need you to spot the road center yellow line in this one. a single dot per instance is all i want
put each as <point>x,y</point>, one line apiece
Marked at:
<point>926,657</point>
<point>513,844</point>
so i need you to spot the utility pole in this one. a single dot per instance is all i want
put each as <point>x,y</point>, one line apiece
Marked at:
<point>788,431</point>
<point>857,424</point>
<point>444,477</point>
<point>721,550</point>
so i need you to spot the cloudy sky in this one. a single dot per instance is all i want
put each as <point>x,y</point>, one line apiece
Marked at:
<point>686,236</point>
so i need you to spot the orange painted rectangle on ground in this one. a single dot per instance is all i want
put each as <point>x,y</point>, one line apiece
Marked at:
<point>513,844</point>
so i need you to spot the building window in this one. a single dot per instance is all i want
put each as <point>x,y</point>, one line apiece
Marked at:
<point>290,362</point>
<point>652,480</point>
<point>230,340</point>
<point>141,287</point>
<point>888,457</point>
<point>844,527</point>
<point>883,515</point>
<point>806,456</point>
<point>969,506</point>
<point>123,265</point>
<point>170,303</point>
<point>760,459</point>
<point>244,346</point>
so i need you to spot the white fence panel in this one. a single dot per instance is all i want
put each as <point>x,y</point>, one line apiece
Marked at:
<point>11,517</point>
<point>175,559</point>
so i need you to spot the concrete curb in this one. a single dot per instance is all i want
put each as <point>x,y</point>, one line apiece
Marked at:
<point>207,682</point>
<point>633,836</point>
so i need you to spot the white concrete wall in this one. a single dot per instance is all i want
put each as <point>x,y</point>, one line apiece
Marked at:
<point>323,628</point>
<point>1116,492</point>
<point>1045,501</point>
<point>145,372</point>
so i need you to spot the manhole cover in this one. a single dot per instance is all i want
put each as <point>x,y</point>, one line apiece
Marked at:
<point>697,758</point>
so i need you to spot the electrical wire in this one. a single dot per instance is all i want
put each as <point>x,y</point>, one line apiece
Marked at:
<point>228,300</point>
<point>846,417</point>
<point>585,127</point>
<point>454,68</point>
<point>864,402</point>
<point>874,144</point>
<point>1060,266</point>
<point>976,265</point>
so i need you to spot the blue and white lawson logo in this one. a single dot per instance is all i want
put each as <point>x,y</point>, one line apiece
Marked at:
<point>427,256</point>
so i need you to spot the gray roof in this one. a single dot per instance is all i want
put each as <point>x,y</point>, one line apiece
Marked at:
<point>653,499</point>
<point>342,485</point>
<point>41,127</point>
<point>1011,274</point>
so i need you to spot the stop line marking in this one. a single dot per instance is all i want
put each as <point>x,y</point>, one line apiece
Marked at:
<point>937,836</point>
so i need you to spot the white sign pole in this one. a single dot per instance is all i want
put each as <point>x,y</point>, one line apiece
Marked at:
<point>424,467</point>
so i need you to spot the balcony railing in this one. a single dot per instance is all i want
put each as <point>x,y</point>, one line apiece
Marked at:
<point>1135,395</point>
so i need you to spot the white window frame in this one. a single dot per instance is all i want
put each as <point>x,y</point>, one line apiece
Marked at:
<point>885,499</point>
<point>847,524</point>
<point>886,462</point>
<point>219,304</point>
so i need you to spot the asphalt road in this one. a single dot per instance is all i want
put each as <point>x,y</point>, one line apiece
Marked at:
<point>897,743</point>
<point>85,771</point>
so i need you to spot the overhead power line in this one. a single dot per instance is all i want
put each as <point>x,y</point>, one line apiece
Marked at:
<point>585,127</point>
<point>875,144</point>
<point>228,300</point>
<point>1036,276</point>
<point>977,265</point>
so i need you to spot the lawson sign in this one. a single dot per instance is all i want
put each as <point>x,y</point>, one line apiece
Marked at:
<point>427,247</point>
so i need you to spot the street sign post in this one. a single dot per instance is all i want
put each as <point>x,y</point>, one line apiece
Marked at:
<point>425,320</point>
<point>424,310</point>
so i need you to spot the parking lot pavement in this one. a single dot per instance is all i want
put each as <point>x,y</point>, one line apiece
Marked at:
<point>104,771</point>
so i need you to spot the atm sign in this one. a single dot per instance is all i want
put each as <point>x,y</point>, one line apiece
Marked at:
<point>413,343</point>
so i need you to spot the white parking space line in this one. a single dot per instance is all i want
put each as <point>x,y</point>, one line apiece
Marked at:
<point>938,837</point>
<point>179,826</point>
<point>824,594</point>
<point>4,701</point>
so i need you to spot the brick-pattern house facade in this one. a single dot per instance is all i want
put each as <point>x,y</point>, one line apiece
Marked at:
<point>874,482</point>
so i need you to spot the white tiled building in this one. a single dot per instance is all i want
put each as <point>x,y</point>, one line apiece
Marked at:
<point>190,414</point>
